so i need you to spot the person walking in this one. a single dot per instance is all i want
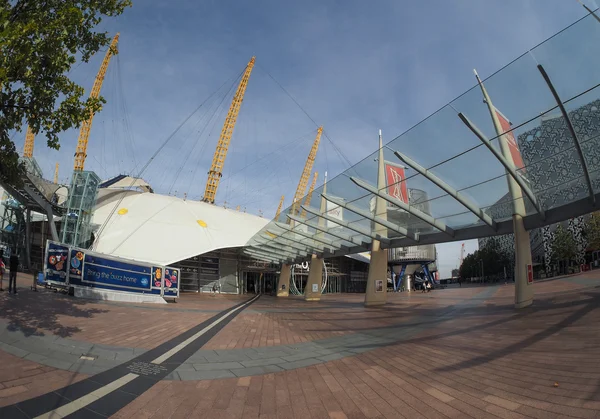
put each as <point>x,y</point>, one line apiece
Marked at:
<point>14,267</point>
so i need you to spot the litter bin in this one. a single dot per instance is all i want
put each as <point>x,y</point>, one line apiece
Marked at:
<point>35,279</point>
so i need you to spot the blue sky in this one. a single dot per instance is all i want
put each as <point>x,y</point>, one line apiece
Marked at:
<point>354,66</point>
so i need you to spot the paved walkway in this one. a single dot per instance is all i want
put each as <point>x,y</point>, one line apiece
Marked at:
<point>449,353</point>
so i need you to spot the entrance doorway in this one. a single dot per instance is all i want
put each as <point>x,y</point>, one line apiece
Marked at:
<point>259,282</point>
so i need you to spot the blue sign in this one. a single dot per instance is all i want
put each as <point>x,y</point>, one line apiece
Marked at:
<point>115,274</point>
<point>57,256</point>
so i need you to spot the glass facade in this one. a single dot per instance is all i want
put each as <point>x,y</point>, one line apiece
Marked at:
<point>543,149</point>
<point>77,223</point>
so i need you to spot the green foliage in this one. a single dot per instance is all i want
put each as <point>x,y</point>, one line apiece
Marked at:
<point>591,231</point>
<point>563,245</point>
<point>40,40</point>
<point>494,261</point>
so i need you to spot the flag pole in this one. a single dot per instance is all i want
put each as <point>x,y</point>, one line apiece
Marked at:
<point>523,291</point>
<point>590,11</point>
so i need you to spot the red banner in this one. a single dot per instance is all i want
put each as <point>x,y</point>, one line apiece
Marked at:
<point>512,142</point>
<point>395,182</point>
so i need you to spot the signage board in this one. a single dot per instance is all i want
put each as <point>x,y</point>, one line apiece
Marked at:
<point>107,272</point>
<point>71,266</point>
<point>379,285</point>
<point>315,287</point>
<point>171,282</point>
<point>529,274</point>
<point>56,263</point>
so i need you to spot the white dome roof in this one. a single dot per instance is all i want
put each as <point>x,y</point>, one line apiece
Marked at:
<point>165,229</point>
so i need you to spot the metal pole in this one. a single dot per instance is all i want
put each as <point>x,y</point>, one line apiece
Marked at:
<point>482,271</point>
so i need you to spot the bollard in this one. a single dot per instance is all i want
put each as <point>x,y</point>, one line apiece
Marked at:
<point>35,277</point>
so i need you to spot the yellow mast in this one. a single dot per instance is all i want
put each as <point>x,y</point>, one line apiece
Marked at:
<point>309,194</point>
<point>29,140</point>
<point>56,174</point>
<point>216,168</point>
<point>310,161</point>
<point>279,208</point>
<point>86,126</point>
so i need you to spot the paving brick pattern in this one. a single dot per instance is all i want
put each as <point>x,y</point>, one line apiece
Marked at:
<point>454,353</point>
<point>23,379</point>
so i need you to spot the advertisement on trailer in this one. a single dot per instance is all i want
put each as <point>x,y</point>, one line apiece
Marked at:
<point>116,274</point>
<point>57,262</point>
<point>171,284</point>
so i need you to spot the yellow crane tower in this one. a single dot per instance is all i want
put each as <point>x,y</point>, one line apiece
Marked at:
<point>216,168</point>
<point>29,140</point>
<point>303,183</point>
<point>86,126</point>
<point>309,194</point>
<point>56,174</point>
<point>279,208</point>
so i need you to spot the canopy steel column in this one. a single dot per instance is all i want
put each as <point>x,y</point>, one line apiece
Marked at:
<point>471,206</point>
<point>312,292</point>
<point>376,292</point>
<point>523,290</point>
<point>586,172</point>
<point>283,285</point>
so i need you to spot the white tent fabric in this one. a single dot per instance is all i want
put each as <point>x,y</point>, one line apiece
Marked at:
<point>165,229</point>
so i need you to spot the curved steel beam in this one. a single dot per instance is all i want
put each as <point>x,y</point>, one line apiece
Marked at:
<point>262,240</point>
<point>348,225</point>
<point>466,202</point>
<point>403,205</point>
<point>569,123</point>
<point>326,230</point>
<point>327,242</point>
<point>258,255</point>
<point>366,214</point>
<point>509,168</point>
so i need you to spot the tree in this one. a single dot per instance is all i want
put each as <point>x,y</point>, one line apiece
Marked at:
<point>563,245</point>
<point>491,256</point>
<point>40,40</point>
<point>591,231</point>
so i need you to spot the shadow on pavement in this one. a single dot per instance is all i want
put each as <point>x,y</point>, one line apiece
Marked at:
<point>36,313</point>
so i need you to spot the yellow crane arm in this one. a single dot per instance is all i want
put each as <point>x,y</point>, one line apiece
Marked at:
<point>309,194</point>
<point>216,168</point>
<point>86,126</point>
<point>279,208</point>
<point>303,183</point>
<point>56,174</point>
<point>29,140</point>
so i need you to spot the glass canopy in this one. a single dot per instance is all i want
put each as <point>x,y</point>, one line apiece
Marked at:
<point>445,179</point>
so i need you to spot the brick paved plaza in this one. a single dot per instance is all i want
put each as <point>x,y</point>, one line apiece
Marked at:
<point>457,352</point>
